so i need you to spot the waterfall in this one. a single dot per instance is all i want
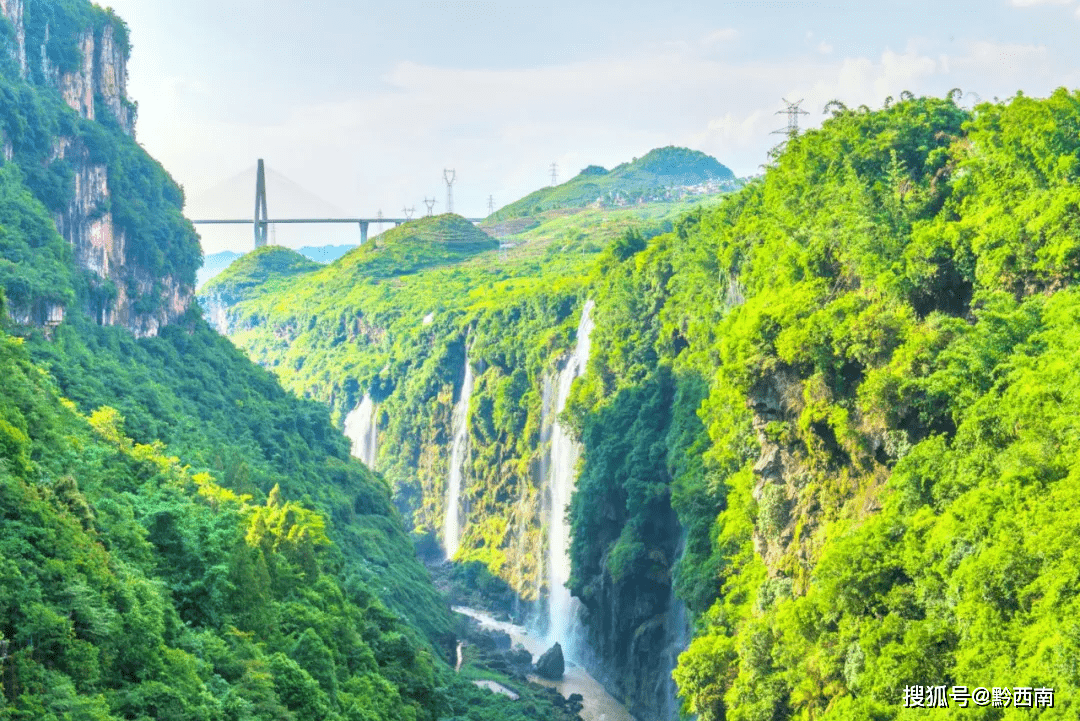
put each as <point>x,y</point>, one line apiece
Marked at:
<point>676,640</point>
<point>546,421</point>
<point>452,521</point>
<point>361,427</point>
<point>564,456</point>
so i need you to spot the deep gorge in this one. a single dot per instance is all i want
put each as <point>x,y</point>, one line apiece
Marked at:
<point>775,449</point>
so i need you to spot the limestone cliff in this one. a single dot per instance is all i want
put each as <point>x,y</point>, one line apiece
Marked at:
<point>13,11</point>
<point>133,284</point>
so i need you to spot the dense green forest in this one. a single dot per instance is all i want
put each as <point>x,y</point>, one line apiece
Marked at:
<point>836,412</point>
<point>877,481</point>
<point>180,537</point>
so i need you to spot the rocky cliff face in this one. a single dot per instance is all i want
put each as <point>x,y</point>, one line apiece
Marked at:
<point>636,629</point>
<point>96,84</point>
<point>13,11</point>
<point>102,69</point>
<point>775,402</point>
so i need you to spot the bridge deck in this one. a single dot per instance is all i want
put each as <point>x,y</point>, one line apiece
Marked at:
<point>271,221</point>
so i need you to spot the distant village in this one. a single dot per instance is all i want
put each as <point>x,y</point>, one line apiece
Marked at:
<point>671,193</point>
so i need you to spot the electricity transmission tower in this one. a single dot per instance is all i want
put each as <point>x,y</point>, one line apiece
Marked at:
<point>793,111</point>
<point>449,176</point>
<point>491,204</point>
<point>408,212</point>
<point>430,203</point>
<point>260,206</point>
<point>554,174</point>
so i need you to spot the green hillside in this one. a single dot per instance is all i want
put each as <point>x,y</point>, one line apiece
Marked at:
<point>649,178</point>
<point>257,268</point>
<point>417,244</point>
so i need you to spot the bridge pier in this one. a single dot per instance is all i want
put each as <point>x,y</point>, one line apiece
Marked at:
<point>363,231</point>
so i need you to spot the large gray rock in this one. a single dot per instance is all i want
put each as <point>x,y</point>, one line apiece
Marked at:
<point>551,664</point>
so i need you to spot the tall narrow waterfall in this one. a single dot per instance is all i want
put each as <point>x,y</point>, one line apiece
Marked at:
<point>452,521</point>
<point>361,427</point>
<point>547,418</point>
<point>564,456</point>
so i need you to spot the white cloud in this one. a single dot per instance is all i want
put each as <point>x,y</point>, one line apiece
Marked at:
<point>723,35</point>
<point>824,48</point>
<point>1032,3</point>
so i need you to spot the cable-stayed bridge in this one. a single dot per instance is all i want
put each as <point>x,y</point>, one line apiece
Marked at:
<point>262,223</point>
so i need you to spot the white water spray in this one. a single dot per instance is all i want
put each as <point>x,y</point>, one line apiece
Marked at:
<point>361,427</point>
<point>564,455</point>
<point>452,521</point>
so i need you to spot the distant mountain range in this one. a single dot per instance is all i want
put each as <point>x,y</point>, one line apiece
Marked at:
<point>217,262</point>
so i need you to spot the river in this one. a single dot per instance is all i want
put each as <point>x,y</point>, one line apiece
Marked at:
<point>599,705</point>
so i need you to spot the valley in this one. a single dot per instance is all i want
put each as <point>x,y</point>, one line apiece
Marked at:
<point>654,443</point>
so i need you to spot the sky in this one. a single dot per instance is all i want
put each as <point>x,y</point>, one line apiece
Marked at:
<point>358,107</point>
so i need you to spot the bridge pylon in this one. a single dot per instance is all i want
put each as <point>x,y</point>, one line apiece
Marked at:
<point>261,217</point>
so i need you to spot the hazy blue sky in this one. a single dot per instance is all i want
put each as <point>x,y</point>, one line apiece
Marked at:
<point>364,104</point>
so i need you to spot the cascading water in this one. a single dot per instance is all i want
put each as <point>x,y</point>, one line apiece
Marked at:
<point>543,474</point>
<point>676,640</point>
<point>564,455</point>
<point>677,632</point>
<point>460,427</point>
<point>361,427</point>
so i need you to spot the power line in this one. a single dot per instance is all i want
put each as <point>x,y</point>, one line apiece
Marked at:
<point>408,212</point>
<point>449,176</point>
<point>430,203</point>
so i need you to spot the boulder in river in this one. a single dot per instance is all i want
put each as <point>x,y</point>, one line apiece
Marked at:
<point>520,660</point>
<point>551,664</point>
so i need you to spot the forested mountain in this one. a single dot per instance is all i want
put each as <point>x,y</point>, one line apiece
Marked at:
<point>663,174</point>
<point>217,262</point>
<point>180,538</point>
<point>832,417</point>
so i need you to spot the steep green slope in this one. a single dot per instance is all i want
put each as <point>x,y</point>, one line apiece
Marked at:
<point>136,587</point>
<point>661,174</point>
<point>857,370</point>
